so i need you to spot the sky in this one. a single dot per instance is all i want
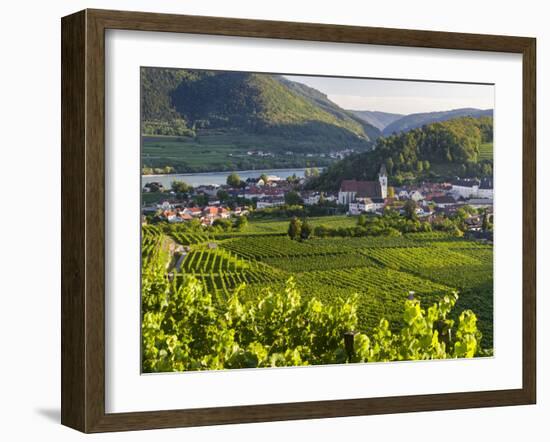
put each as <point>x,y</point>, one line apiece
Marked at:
<point>398,96</point>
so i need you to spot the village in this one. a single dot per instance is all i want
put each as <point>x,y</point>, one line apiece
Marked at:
<point>208,203</point>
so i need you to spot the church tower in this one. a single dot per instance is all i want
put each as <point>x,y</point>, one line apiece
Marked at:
<point>383,180</point>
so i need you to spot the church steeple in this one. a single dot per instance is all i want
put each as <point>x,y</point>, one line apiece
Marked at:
<point>383,180</point>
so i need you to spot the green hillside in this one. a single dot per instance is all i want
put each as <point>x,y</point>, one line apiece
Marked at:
<point>458,147</point>
<point>190,104</point>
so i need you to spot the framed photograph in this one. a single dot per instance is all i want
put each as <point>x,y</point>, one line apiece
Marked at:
<point>267,221</point>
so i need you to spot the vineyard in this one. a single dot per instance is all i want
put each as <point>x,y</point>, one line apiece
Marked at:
<point>380,270</point>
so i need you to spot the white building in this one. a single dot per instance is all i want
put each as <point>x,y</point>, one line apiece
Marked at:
<point>311,199</point>
<point>361,206</point>
<point>473,188</point>
<point>263,204</point>
<point>415,195</point>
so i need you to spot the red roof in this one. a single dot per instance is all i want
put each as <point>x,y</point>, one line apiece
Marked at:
<point>369,189</point>
<point>211,210</point>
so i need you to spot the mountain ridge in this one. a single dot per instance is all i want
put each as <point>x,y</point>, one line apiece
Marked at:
<point>416,120</point>
<point>378,119</point>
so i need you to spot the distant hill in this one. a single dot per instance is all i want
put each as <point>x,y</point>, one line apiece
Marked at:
<point>180,102</point>
<point>457,147</point>
<point>380,120</point>
<point>413,121</point>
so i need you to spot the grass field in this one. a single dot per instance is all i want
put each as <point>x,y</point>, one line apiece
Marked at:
<point>224,151</point>
<point>380,270</point>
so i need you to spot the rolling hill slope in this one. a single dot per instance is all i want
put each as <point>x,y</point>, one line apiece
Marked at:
<point>180,102</point>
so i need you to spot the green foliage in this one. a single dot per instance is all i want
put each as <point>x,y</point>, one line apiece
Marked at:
<point>379,268</point>
<point>182,102</point>
<point>241,222</point>
<point>306,230</point>
<point>453,146</point>
<point>294,228</point>
<point>181,187</point>
<point>413,121</point>
<point>292,198</point>
<point>234,180</point>
<point>410,210</point>
<point>182,329</point>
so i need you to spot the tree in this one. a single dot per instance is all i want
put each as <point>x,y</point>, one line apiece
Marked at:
<point>391,192</point>
<point>222,195</point>
<point>234,180</point>
<point>224,224</point>
<point>201,200</point>
<point>306,230</point>
<point>264,178</point>
<point>241,222</point>
<point>293,179</point>
<point>389,165</point>
<point>180,187</point>
<point>292,198</point>
<point>426,165</point>
<point>361,220</point>
<point>294,228</point>
<point>410,209</point>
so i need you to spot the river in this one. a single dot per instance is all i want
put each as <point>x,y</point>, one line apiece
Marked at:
<point>207,178</point>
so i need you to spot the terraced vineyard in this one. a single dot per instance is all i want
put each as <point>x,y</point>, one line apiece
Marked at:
<point>381,270</point>
<point>486,151</point>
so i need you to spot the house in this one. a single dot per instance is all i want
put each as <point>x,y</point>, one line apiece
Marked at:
<point>269,202</point>
<point>192,211</point>
<point>311,198</point>
<point>485,189</point>
<point>240,211</point>
<point>165,205</point>
<point>415,195</point>
<point>352,189</point>
<point>403,194</point>
<point>210,190</point>
<point>184,216</point>
<point>465,187</point>
<point>443,201</point>
<point>361,205</point>
<point>473,188</point>
<point>210,212</point>
<point>474,223</point>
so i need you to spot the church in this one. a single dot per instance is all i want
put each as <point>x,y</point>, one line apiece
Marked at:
<point>353,190</point>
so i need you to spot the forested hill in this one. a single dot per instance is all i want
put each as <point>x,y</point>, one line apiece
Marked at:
<point>412,121</point>
<point>461,146</point>
<point>183,102</point>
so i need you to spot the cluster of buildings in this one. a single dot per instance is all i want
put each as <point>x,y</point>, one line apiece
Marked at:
<point>373,196</point>
<point>358,196</point>
<point>178,212</point>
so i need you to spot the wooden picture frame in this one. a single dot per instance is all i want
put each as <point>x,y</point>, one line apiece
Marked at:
<point>83,220</point>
